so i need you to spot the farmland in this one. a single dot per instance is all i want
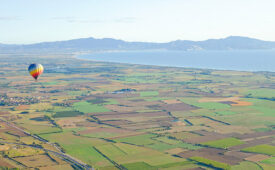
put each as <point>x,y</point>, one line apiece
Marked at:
<point>264,149</point>
<point>122,116</point>
<point>224,143</point>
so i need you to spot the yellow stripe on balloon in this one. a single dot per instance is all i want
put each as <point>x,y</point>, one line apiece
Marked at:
<point>39,69</point>
<point>34,71</point>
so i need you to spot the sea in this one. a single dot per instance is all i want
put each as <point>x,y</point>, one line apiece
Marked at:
<point>239,60</point>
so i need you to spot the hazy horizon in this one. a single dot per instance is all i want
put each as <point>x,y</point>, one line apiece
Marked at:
<point>32,21</point>
<point>133,41</point>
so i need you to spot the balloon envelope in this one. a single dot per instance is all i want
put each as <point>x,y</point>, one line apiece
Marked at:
<point>35,70</point>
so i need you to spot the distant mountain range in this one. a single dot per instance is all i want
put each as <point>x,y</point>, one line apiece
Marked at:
<point>107,44</point>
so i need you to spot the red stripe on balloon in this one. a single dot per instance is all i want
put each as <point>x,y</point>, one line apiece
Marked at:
<point>35,75</point>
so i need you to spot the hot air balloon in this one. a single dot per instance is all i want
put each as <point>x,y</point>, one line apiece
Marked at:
<point>35,70</point>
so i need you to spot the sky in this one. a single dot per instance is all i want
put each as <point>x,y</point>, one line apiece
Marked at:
<point>32,21</point>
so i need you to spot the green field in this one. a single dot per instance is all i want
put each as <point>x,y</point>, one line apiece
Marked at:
<point>166,143</point>
<point>138,140</point>
<point>224,113</point>
<point>223,143</point>
<point>211,163</point>
<point>139,165</point>
<point>100,135</point>
<point>41,129</point>
<point>86,107</point>
<point>79,147</point>
<point>111,150</point>
<point>269,161</point>
<point>246,165</point>
<point>67,114</point>
<point>149,93</point>
<point>206,105</point>
<point>164,146</point>
<point>264,149</point>
<point>261,93</point>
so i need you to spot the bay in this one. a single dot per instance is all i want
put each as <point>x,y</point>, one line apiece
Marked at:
<point>242,60</point>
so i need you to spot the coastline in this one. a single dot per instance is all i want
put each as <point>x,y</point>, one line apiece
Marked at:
<point>246,64</point>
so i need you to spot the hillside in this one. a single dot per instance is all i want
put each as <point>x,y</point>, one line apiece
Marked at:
<point>92,44</point>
